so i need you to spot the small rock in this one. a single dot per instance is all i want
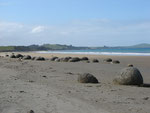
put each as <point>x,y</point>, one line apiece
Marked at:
<point>6,55</point>
<point>74,59</point>
<point>53,58</point>
<point>27,57</point>
<point>33,58</point>
<point>57,60</point>
<point>12,56</point>
<point>115,62</point>
<point>84,58</point>
<point>95,61</point>
<point>40,58</point>
<point>107,60</point>
<point>19,56</point>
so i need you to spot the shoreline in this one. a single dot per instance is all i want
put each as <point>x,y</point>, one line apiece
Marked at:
<point>96,53</point>
<point>74,54</point>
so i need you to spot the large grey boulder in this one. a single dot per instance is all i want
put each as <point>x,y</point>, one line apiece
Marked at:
<point>129,76</point>
<point>87,78</point>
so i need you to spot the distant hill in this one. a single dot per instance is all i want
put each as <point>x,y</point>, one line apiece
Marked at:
<point>143,45</point>
<point>46,47</point>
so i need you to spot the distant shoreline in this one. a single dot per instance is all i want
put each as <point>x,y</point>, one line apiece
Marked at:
<point>96,53</point>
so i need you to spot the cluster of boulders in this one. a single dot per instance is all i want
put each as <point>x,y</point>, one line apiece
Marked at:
<point>25,57</point>
<point>73,59</point>
<point>109,60</point>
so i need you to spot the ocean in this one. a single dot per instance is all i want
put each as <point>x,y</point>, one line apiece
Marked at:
<point>108,51</point>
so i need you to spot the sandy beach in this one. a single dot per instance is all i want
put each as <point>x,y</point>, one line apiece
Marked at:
<point>52,87</point>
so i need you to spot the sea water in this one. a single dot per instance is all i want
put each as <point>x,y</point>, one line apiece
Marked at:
<point>106,51</point>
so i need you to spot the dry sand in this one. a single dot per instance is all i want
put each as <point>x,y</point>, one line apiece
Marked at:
<point>52,87</point>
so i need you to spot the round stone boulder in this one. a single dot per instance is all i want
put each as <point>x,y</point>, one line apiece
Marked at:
<point>129,76</point>
<point>95,61</point>
<point>12,56</point>
<point>57,60</point>
<point>6,55</point>
<point>107,60</point>
<point>74,59</point>
<point>54,58</point>
<point>27,57</point>
<point>115,62</point>
<point>33,58</point>
<point>19,56</point>
<point>65,59</point>
<point>87,78</point>
<point>84,58</point>
<point>40,58</point>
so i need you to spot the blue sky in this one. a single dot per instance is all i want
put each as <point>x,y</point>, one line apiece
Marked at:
<point>76,22</point>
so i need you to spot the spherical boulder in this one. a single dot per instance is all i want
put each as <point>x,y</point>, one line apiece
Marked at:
<point>6,55</point>
<point>53,58</point>
<point>87,78</point>
<point>129,76</point>
<point>95,61</point>
<point>57,60</point>
<point>12,56</point>
<point>40,58</point>
<point>115,62</point>
<point>66,59</point>
<point>107,60</point>
<point>19,56</point>
<point>74,59</point>
<point>84,58</point>
<point>27,57</point>
<point>33,58</point>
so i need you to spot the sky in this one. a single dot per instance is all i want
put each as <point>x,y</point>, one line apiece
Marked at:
<point>74,22</point>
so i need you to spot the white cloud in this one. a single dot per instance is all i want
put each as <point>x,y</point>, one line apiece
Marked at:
<point>93,32</point>
<point>38,29</point>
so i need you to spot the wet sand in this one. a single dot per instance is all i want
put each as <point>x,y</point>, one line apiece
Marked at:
<point>52,87</point>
